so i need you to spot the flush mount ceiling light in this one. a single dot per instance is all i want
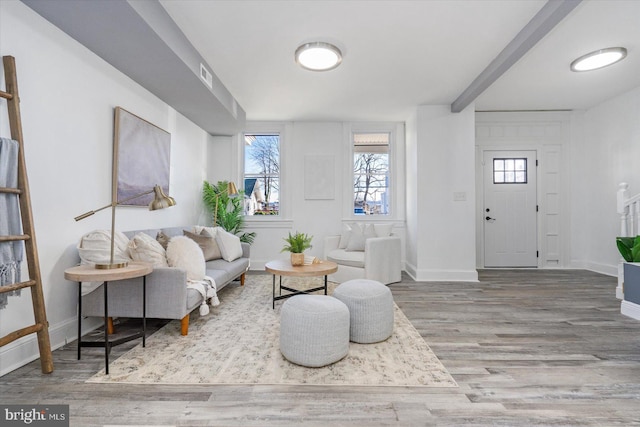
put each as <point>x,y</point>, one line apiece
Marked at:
<point>599,59</point>
<point>318,56</point>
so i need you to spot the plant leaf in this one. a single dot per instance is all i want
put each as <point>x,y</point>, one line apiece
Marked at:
<point>635,250</point>
<point>624,250</point>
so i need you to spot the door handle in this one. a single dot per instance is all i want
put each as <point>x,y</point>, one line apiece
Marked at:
<point>490,219</point>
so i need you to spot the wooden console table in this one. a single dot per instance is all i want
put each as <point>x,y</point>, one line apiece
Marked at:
<point>87,273</point>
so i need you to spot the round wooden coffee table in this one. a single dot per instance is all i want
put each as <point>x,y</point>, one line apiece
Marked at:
<point>283,267</point>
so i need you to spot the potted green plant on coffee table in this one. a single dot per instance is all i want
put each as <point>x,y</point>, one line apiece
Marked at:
<point>297,244</point>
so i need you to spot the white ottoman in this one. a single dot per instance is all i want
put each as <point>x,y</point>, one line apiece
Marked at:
<point>314,330</point>
<point>370,307</point>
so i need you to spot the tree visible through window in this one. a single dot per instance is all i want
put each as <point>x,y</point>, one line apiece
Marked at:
<point>262,174</point>
<point>371,173</point>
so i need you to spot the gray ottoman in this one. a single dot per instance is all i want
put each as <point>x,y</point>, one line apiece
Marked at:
<point>314,330</point>
<point>371,309</point>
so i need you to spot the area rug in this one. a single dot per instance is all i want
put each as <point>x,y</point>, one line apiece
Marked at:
<point>238,343</point>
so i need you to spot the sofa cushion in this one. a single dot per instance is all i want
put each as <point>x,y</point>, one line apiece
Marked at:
<point>163,239</point>
<point>231,269</point>
<point>96,246</point>
<point>344,257</point>
<point>211,231</point>
<point>182,252</point>
<point>344,236</point>
<point>383,230</point>
<point>229,245</point>
<point>207,243</point>
<point>146,249</point>
<point>353,236</point>
<point>358,235</point>
<point>356,239</point>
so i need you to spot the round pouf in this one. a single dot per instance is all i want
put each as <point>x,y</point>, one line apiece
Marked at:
<point>314,330</point>
<point>371,309</point>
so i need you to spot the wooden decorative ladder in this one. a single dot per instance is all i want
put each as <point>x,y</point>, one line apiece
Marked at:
<point>41,326</point>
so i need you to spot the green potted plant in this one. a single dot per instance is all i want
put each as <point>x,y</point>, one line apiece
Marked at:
<point>297,244</point>
<point>226,211</point>
<point>629,248</point>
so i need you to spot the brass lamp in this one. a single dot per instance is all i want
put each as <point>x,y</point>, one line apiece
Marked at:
<point>160,201</point>
<point>232,192</point>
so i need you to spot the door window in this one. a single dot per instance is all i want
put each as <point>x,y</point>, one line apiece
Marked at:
<point>510,171</point>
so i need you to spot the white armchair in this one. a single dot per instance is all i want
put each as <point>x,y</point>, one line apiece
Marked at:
<point>379,261</point>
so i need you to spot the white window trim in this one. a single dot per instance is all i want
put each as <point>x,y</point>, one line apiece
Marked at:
<point>396,165</point>
<point>283,129</point>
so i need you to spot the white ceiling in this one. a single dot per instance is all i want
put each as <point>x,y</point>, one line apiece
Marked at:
<point>401,54</point>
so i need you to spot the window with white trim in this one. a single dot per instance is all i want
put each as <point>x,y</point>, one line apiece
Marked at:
<point>262,173</point>
<point>371,173</point>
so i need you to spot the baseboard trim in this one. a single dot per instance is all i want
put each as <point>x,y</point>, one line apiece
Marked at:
<point>630,309</point>
<point>443,275</point>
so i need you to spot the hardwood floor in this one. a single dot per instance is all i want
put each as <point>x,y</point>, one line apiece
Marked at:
<point>527,348</point>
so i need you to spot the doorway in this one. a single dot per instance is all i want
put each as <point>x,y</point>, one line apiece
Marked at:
<point>510,209</point>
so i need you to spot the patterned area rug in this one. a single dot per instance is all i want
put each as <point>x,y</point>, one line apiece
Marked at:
<point>238,343</point>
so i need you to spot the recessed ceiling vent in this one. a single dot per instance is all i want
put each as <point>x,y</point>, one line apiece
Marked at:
<point>206,76</point>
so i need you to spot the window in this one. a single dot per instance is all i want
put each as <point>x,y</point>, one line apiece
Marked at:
<point>262,174</point>
<point>510,171</point>
<point>371,173</point>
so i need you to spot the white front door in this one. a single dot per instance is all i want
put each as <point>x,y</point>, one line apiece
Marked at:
<point>510,209</point>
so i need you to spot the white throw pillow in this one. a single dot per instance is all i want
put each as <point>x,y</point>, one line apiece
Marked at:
<point>229,245</point>
<point>147,249</point>
<point>96,247</point>
<point>344,236</point>
<point>369,231</point>
<point>182,252</point>
<point>383,230</point>
<point>356,239</point>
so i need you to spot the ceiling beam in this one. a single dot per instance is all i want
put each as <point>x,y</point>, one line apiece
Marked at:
<point>540,25</point>
<point>140,39</point>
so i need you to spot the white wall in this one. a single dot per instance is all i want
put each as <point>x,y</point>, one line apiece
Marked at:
<point>549,135</point>
<point>412,189</point>
<point>605,153</point>
<point>318,218</point>
<point>440,162</point>
<point>67,99</point>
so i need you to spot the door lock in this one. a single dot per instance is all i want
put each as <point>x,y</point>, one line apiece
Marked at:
<point>490,219</point>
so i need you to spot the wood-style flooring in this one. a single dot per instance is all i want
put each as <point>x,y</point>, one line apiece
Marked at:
<point>527,348</point>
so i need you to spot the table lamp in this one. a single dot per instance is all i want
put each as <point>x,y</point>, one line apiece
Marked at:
<point>160,201</point>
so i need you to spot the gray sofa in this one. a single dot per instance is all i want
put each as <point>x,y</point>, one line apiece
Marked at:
<point>167,293</point>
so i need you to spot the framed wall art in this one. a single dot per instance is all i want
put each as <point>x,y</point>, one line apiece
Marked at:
<point>141,158</point>
<point>319,172</point>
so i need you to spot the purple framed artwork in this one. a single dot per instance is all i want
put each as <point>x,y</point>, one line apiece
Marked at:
<point>142,158</point>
